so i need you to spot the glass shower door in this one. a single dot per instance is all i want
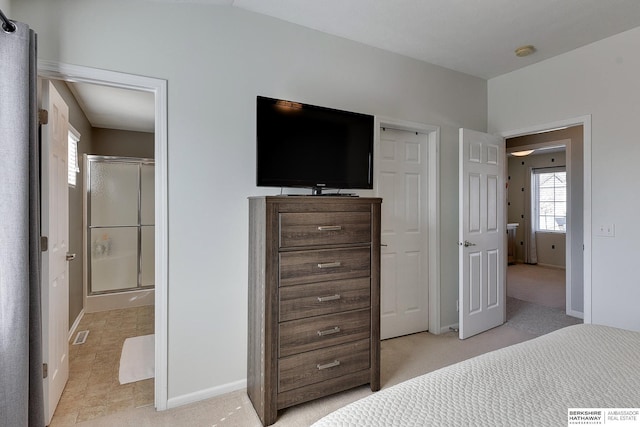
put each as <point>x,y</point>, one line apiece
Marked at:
<point>147,227</point>
<point>120,220</point>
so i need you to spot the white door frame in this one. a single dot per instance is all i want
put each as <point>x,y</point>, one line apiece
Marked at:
<point>59,71</point>
<point>585,121</point>
<point>433,201</point>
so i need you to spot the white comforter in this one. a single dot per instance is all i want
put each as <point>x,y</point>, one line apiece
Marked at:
<point>532,383</point>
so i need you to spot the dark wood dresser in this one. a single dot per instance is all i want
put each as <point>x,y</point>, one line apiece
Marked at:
<point>314,299</point>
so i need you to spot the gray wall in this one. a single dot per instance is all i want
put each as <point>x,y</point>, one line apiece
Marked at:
<point>215,63</point>
<point>5,5</point>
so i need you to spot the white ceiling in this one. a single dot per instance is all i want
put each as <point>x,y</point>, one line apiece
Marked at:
<point>476,37</point>
<point>115,108</point>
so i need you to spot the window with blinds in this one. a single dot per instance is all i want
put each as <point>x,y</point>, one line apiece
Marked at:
<point>72,157</point>
<point>550,199</point>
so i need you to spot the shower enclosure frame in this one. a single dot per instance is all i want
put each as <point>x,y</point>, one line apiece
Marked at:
<point>139,294</point>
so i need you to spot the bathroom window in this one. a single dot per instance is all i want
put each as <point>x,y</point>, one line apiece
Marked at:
<point>72,157</point>
<point>550,199</point>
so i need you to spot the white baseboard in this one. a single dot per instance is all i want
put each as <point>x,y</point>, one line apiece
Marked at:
<point>559,267</point>
<point>578,314</point>
<point>185,399</point>
<point>73,328</point>
<point>448,328</point>
<point>118,300</point>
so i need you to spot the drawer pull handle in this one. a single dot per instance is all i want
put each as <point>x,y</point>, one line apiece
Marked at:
<point>329,264</point>
<point>328,365</point>
<point>331,331</point>
<point>329,298</point>
<point>329,227</point>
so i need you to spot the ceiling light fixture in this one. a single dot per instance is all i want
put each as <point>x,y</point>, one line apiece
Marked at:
<point>525,50</point>
<point>522,153</point>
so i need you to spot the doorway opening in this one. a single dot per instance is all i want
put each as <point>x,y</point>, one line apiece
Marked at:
<point>155,314</point>
<point>545,216</point>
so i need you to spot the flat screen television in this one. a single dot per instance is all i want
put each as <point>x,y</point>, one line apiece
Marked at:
<point>301,145</point>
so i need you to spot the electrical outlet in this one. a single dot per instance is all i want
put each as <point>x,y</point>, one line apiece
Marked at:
<point>606,230</point>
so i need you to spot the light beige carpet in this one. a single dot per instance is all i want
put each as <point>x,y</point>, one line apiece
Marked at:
<point>402,358</point>
<point>536,299</point>
<point>535,318</point>
<point>537,284</point>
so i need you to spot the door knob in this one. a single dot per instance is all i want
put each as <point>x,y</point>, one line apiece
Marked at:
<point>70,257</point>
<point>468,243</point>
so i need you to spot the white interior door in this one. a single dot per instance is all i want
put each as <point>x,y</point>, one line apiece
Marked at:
<point>402,184</point>
<point>55,226</point>
<point>482,233</point>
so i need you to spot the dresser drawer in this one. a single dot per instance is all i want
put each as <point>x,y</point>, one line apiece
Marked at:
<point>324,228</point>
<point>298,336</point>
<point>321,365</point>
<point>324,265</point>
<point>315,299</point>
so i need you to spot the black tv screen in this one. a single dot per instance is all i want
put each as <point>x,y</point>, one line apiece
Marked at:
<point>301,145</point>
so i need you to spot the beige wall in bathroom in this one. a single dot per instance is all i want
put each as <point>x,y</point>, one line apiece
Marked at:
<point>576,222</point>
<point>551,246</point>
<point>112,142</point>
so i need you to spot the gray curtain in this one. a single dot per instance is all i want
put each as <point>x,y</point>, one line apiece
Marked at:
<point>21,394</point>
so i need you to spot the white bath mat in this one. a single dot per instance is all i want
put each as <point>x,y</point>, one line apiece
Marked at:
<point>137,361</point>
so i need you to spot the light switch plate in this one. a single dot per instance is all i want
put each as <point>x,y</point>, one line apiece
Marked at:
<point>606,230</point>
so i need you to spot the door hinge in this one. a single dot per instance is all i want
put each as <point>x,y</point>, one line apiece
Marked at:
<point>45,370</point>
<point>43,117</point>
<point>44,243</point>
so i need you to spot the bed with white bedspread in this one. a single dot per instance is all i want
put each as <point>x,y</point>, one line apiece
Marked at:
<point>533,383</point>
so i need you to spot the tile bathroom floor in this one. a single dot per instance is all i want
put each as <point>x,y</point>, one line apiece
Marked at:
<point>93,389</point>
